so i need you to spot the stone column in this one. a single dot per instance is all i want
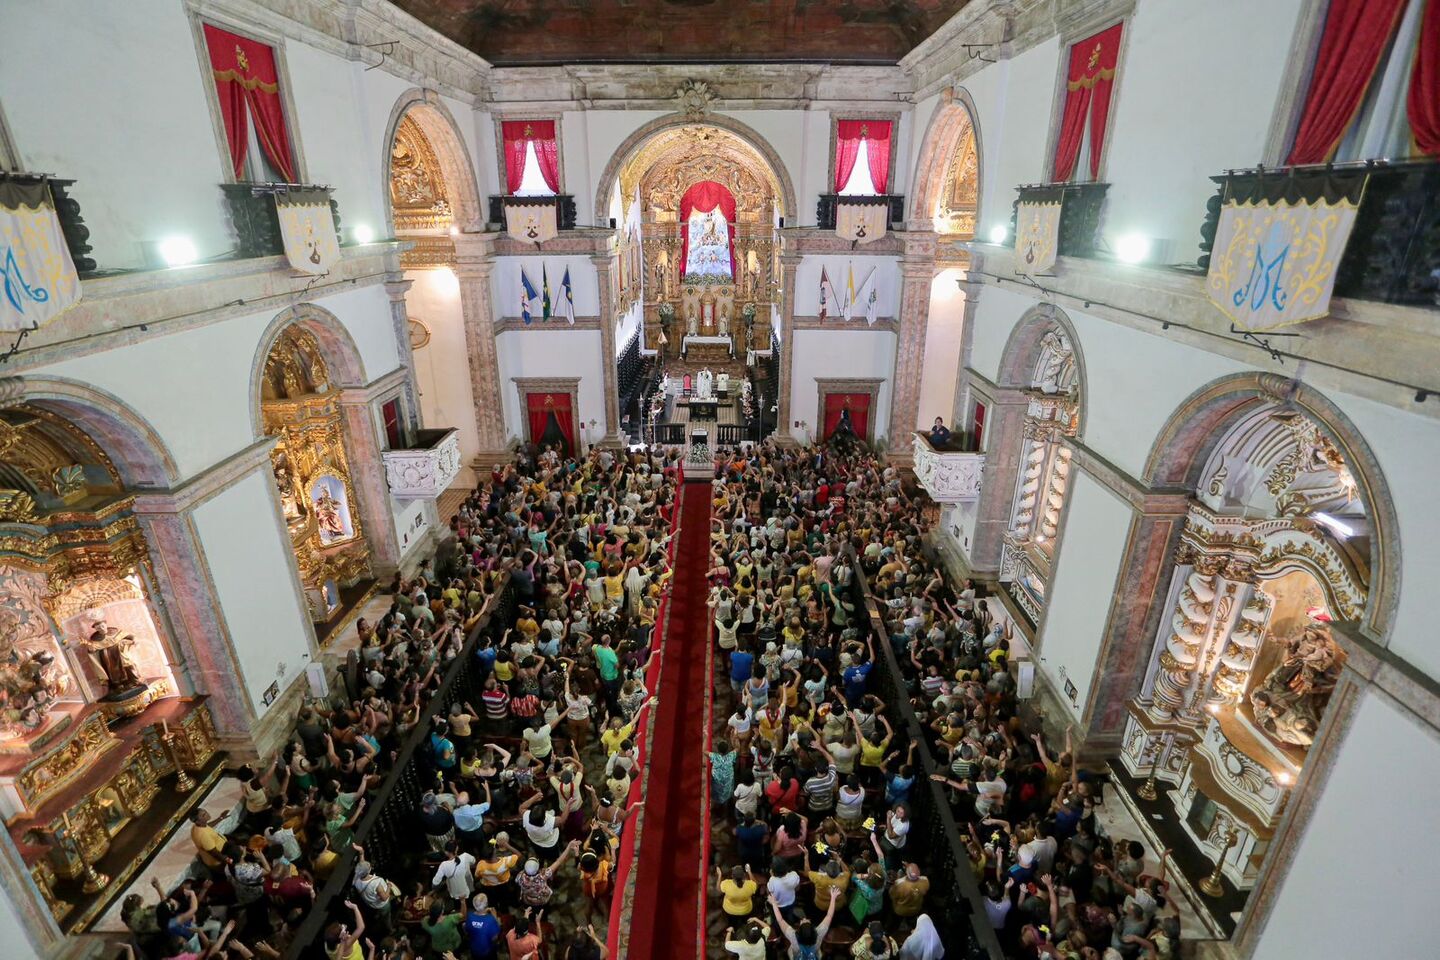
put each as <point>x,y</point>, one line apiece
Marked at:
<point>367,475</point>
<point>917,272</point>
<point>397,286</point>
<point>1138,603</point>
<point>607,350</point>
<point>474,260</point>
<point>788,264</point>
<point>1005,428</point>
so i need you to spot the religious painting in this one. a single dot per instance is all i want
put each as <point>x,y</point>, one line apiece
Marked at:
<point>332,510</point>
<point>709,248</point>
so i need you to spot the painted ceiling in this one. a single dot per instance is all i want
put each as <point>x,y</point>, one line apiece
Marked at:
<point>529,32</point>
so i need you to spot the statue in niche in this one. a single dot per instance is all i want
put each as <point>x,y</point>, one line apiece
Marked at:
<point>724,321</point>
<point>290,503</point>
<point>1291,700</point>
<point>109,649</point>
<point>692,322</point>
<point>30,680</point>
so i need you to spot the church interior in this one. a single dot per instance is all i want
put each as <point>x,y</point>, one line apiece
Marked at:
<point>677,479</point>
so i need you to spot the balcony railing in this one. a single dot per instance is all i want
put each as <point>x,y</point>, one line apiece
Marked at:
<point>426,468</point>
<point>829,202</point>
<point>253,215</point>
<point>564,208</point>
<point>1394,251</point>
<point>67,210</point>
<point>1080,208</point>
<point>949,476</point>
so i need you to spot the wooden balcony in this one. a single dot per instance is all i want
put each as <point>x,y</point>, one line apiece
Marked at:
<point>1080,208</point>
<point>830,202</point>
<point>252,214</point>
<point>565,211</point>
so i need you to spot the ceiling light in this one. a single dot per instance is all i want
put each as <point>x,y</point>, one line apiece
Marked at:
<point>1132,247</point>
<point>363,234</point>
<point>178,251</point>
<point>998,233</point>
<point>1337,527</point>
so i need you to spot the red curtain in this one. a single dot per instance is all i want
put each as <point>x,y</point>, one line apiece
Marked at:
<point>875,134</point>
<point>1424,100</point>
<point>1089,82</point>
<point>705,196</point>
<point>859,406</point>
<point>539,407</point>
<point>1356,34</point>
<point>977,428</point>
<point>517,134</point>
<point>248,85</point>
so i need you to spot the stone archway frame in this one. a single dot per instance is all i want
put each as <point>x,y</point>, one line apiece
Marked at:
<point>342,356</point>
<point>1022,349</point>
<point>570,386</point>
<point>824,386</point>
<point>641,136</point>
<point>434,119</point>
<point>937,152</point>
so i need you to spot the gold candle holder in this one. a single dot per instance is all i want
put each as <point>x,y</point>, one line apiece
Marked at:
<point>183,782</point>
<point>1211,886</point>
<point>1147,789</point>
<point>95,881</point>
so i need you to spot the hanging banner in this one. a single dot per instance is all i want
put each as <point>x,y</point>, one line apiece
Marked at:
<point>1037,234</point>
<point>861,222</point>
<point>37,276</point>
<point>531,223</point>
<point>1274,264</point>
<point>308,229</point>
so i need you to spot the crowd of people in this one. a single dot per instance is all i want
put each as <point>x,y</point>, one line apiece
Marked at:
<point>814,768</point>
<point>527,782</point>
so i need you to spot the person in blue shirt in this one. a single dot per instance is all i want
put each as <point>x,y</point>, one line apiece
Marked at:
<point>482,929</point>
<point>742,664</point>
<point>939,434</point>
<point>857,679</point>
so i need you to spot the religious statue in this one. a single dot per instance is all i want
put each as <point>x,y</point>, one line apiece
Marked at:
<point>328,516</point>
<point>1290,702</point>
<point>290,504</point>
<point>724,321</point>
<point>30,680</point>
<point>109,649</point>
<point>692,322</point>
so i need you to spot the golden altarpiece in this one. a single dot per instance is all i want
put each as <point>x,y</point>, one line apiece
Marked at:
<point>93,722</point>
<point>301,407</point>
<point>423,215</point>
<point>722,315</point>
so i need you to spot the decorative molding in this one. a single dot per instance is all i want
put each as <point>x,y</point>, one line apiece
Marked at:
<point>949,477</point>
<point>423,473</point>
<point>580,242</point>
<point>555,324</point>
<point>856,325</point>
<point>815,241</point>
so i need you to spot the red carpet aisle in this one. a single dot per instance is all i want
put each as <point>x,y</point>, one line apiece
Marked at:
<point>667,915</point>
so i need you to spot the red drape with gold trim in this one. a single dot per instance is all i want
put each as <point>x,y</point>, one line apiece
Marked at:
<point>875,135</point>
<point>248,84</point>
<point>1355,37</point>
<point>1424,99</point>
<point>517,134</point>
<point>705,196</point>
<point>858,405</point>
<point>1089,83</point>
<point>538,409</point>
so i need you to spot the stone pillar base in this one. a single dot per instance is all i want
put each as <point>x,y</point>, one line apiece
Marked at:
<point>486,461</point>
<point>614,440</point>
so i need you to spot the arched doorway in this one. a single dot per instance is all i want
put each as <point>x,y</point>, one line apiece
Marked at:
<point>947,174</point>
<point>313,469</point>
<point>1284,556</point>
<point>443,311</point>
<point>697,277</point>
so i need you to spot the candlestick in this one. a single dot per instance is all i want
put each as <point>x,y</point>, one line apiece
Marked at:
<point>1147,789</point>
<point>1211,885</point>
<point>183,782</point>
<point>95,881</point>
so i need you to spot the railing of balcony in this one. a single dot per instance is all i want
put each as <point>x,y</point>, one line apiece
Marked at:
<point>1393,255</point>
<point>67,210</point>
<point>1081,204</point>
<point>256,222</point>
<point>829,203</point>
<point>565,209</point>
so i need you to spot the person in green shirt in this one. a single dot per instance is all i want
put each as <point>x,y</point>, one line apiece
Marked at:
<point>607,664</point>
<point>443,929</point>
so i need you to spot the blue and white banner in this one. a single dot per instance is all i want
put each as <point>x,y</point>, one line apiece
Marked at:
<point>1274,263</point>
<point>38,276</point>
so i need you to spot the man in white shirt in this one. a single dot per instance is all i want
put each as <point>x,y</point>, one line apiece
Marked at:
<point>457,873</point>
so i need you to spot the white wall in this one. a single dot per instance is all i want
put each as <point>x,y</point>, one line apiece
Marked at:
<point>505,288</point>
<point>553,352</point>
<point>13,931</point>
<point>245,549</point>
<point>442,367</point>
<point>844,352</point>
<point>1081,584</point>
<point>838,269</point>
<point>943,343</point>
<point>1363,883</point>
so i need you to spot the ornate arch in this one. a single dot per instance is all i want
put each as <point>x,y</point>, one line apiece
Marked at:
<point>1185,443</point>
<point>1027,344</point>
<point>611,174</point>
<point>954,120</point>
<point>134,447</point>
<point>337,347</point>
<point>426,109</point>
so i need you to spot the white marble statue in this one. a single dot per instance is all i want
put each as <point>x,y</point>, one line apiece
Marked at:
<point>692,323</point>
<point>725,323</point>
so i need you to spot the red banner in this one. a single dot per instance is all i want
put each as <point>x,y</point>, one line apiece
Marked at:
<point>248,85</point>
<point>875,134</point>
<point>839,405</point>
<point>518,135</point>
<point>1088,87</point>
<point>540,407</point>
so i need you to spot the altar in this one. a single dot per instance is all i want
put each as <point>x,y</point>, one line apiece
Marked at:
<point>706,343</point>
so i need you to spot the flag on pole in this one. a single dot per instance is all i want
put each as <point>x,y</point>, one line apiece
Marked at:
<point>545,293</point>
<point>567,295</point>
<point>827,294</point>
<point>847,308</point>
<point>870,298</point>
<point>527,296</point>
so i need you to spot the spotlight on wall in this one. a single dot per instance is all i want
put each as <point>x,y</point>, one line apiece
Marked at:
<point>363,234</point>
<point>1338,527</point>
<point>1284,778</point>
<point>454,230</point>
<point>446,282</point>
<point>178,251</point>
<point>1132,247</point>
<point>998,233</point>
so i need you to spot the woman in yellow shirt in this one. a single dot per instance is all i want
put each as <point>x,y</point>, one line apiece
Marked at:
<point>738,891</point>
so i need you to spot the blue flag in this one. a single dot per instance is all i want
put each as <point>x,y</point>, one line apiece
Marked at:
<point>545,288</point>
<point>567,295</point>
<point>527,295</point>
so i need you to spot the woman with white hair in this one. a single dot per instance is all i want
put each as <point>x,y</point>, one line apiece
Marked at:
<point>924,943</point>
